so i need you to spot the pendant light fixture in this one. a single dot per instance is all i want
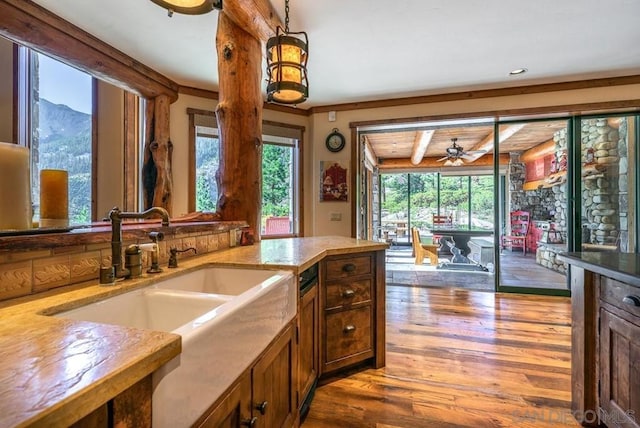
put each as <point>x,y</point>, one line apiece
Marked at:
<point>287,54</point>
<point>189,7</point>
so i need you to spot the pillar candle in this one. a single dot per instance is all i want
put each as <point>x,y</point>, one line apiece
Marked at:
<point>54,198</point>
<point>15,187</point>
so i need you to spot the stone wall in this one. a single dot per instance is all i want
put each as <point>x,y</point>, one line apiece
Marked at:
<point>604,192</point>
<point>604,169</point>
<point>546,255</point>
<point>548,203</point>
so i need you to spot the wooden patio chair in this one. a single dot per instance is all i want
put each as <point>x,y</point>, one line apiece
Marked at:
<point>520,226</point>
<point>421,250</point>
<point>277,226</point>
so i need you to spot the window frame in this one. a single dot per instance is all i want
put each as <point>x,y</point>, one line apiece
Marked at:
<point>297,178</point>
<point>23,110</point>
<point>210,118</point>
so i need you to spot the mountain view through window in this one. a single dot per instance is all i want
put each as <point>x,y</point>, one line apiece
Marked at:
<point>61,106</point>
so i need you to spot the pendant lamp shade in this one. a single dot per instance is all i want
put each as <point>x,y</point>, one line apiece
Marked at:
<point>287,68</point>
<point>189,7</point>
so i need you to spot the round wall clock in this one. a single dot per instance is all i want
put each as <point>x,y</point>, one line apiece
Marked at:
<point>335,141</point>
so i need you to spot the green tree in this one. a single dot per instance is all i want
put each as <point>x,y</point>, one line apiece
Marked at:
<point>276,180</point>
<point>205,200</point>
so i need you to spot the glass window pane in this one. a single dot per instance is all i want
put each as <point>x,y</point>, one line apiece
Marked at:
<point>395,206</point>
<point>424,200</point>
<point>482,201</point>
<point>207,163</point>
<point>454,199</point>
<point>61,125</point>
<point>277,189</point>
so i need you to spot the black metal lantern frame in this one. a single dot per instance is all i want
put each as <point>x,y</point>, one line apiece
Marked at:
<point>279,88</point>
<point>287,81</point>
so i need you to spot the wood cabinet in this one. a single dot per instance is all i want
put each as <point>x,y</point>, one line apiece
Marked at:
<point>308,342</point>
<point>129,409</point>
<point>619,358</point>
<point>351,322</point>
<point>265,395</point>
<point>234,409</point>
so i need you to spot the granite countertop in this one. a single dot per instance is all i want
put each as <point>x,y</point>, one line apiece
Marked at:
<point>296,254</point>
<point>53,371</point>
<point>623,267</point>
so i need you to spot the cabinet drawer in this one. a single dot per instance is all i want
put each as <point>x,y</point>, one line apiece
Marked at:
<point>347,293</point>
<point>348,333</point>
<point>620,295</point>
<point>348,266</point>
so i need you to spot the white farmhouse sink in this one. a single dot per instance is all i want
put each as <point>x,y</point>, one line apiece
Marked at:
<point>149,308</point>
<point>231,281</point>
<point>226,318</point>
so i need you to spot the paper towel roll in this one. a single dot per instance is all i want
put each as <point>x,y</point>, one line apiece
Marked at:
<point>15,187</point>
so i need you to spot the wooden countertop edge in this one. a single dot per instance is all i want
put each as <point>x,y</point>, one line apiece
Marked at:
<point>75,407</point>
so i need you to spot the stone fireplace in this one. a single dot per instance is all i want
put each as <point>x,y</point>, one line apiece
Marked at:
<point>604,198</point>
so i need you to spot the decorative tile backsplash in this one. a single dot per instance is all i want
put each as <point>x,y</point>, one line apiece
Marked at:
<point>24,272</point>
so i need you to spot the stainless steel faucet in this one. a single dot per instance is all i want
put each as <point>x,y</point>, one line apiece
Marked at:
<point>116,216</point>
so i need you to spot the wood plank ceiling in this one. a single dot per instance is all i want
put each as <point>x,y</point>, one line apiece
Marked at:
<point>407,144</point>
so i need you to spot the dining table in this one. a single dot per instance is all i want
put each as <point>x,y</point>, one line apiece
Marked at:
<point>460,236</point>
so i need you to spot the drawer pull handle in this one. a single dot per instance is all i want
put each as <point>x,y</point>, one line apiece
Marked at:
<point>632,300</point>
<point>348,293</point>
<point>262,407</point>
<point>349,328</point>
<point>249,422</point>
<point>349,267</point>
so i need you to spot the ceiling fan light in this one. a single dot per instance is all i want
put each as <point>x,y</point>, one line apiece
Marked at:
<point>448,162</point>
<point>189,7</point>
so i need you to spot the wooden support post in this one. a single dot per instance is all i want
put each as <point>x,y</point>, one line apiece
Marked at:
<point>239,114</point>
<point>158,150</point>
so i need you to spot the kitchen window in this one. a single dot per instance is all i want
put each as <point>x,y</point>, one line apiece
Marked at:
<point>55,120</point>
<point>281,172</point>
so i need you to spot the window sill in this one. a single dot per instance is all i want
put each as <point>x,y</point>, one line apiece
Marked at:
<point>100,233</point>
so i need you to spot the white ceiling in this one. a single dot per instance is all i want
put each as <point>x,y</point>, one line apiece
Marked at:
<point>363,50</point>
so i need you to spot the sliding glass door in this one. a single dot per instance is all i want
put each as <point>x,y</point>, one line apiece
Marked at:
<point>533,227</point>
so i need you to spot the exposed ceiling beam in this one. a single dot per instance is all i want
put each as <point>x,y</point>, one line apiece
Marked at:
<point>432,162</point>
<point>369,153</point>
<point>256,17</point>
<point>487,143</point>
<point>539,151</point>
<point>423,138</point>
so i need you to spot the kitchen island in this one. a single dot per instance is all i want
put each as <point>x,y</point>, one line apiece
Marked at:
<point>55,372</point>
<point>605,337</point>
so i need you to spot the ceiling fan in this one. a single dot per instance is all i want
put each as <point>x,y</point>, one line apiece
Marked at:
<point>455,154</point>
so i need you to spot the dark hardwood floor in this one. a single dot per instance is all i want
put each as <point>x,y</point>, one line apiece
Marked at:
<point>458,358</point>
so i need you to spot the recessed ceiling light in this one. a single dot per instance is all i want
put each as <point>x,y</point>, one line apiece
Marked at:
<point>517,71</point>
